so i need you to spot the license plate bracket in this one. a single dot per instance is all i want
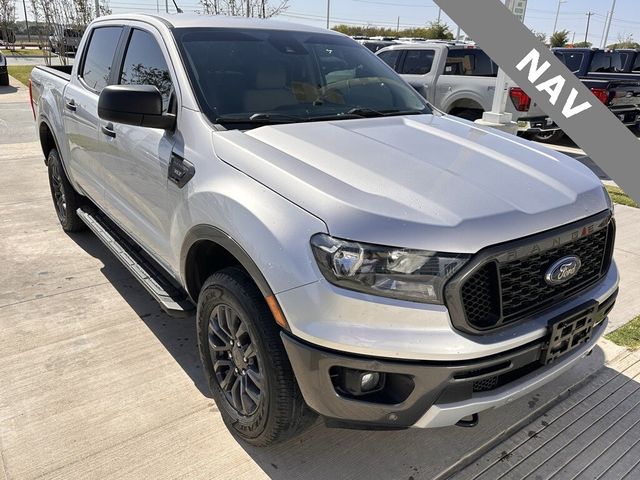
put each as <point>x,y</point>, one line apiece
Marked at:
<point>568,332</point>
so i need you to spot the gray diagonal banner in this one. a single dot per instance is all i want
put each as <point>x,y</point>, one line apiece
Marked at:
<point>558,92</point>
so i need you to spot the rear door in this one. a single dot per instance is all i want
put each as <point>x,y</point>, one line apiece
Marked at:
<point>418,67</point>
<point>136,162</point>
<point>80,109</point>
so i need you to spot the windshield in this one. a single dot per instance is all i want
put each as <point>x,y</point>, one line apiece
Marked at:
<point>255,76</point>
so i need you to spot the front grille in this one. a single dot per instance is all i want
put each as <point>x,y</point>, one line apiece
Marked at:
<point>508,286</point>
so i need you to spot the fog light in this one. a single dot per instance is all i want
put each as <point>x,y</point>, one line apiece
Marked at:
<point>360,382</point>
<point>369,381</point>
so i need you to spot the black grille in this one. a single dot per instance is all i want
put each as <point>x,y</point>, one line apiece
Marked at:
<point>502,291</point>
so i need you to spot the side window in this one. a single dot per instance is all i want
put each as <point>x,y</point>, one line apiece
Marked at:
<point>99,56</point>
<point>636,65</point>
<point>418,62</point>
<point>390,57</point>
<point>470,62</point>
<point>144,64</point>
<point>573,61</point>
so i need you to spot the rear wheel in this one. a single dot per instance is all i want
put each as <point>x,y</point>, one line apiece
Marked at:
<point>248,371</point>
<point>65,199</point>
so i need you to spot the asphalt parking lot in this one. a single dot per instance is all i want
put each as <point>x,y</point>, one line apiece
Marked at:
<point>98,383</point>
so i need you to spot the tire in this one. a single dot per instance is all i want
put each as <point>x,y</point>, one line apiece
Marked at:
<point>4,79</point>
<point>470,114</point>
<point>261,403</point>
<point>547,137</point>
<point>65,199</point>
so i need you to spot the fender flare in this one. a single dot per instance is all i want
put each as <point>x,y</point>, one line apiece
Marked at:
<point>219,237</point>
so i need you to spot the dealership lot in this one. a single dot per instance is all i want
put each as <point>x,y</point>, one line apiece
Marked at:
<point>99,383</point>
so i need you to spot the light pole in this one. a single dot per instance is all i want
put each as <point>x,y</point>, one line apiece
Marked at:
<point>555,25</point>
<point>605,37</point>
<point>328,12</point>
<point>586,35</point>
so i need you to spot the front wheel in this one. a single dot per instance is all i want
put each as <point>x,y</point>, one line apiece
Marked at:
<point>245,363</point>
<point>4,79</point>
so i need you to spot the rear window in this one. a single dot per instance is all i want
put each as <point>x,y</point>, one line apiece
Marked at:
<point>573,61</point>
<point>99,57</point>
<point>607,62</point>
<point>418,62</point>
<point>469,61</point>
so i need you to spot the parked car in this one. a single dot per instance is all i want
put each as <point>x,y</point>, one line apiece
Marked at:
<point>66,41</point>
<point>601,72</point>
<point>375,45</point>
<point>351,252</point>
<point>630,60</point>
<point>4,74</point>
<point>460,80</point>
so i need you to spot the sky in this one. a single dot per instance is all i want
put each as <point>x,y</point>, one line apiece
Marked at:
<point>540,14</point>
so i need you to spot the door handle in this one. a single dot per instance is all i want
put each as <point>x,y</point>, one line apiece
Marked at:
<point>108,130</point>
<point>70,105</point>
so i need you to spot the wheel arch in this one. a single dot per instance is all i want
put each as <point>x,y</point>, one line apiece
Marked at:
<point>208,245</point>
<point>47,138</point>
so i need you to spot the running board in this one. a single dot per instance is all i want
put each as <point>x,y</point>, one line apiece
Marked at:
<point>173,300</point>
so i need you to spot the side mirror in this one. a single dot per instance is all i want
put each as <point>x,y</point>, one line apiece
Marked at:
<point>139,105</point>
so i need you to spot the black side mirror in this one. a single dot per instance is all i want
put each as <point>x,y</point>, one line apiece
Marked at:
<point>139,105</point>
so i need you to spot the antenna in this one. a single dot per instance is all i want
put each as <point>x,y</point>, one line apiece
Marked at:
<point>178,9</point>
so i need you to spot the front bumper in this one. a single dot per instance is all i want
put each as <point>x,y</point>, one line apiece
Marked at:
<point>427,394</point>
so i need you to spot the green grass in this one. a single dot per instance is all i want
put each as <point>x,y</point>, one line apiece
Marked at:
<point>627,336</point>
<point>20,72</point>
<point>20,52</point>
<point>618,196</point>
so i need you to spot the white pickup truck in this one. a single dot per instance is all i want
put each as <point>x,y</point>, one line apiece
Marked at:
<point>460,79</point>
<point>347,251</point>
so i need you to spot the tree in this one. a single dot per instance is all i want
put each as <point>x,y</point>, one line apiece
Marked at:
<point>257,8</point>
<point>7,18</point>
<point>559,39</point>
<point>438,31</point>
<point>583,45</point>
<point>625,40</point>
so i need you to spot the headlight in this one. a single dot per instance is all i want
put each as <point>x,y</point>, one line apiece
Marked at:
<point>415,275</point>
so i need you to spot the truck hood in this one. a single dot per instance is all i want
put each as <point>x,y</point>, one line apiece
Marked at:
<point>425,182</point>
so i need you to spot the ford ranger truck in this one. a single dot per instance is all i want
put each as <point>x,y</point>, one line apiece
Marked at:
<point>348,251</point>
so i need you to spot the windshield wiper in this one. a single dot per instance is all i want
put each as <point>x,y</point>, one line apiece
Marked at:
<point>261,118</point>
<point>369,112</point>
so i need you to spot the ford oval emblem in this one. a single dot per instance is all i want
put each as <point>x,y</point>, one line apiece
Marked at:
<point>563,270</point>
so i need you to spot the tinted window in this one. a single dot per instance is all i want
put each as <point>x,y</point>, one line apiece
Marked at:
<point>390,57</point>
<point>99,56</point>
<point>418,62</point>
<point>571,60</point>
<point>144,64</point>
<point>606,62</point>
<point>636,65</point>
<point>470,62</point>
<point>288,76</point>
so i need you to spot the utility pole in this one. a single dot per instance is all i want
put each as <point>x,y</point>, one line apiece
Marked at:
<point>248,8</point>
<point>398,25</point>
<point>555,25</point>
<point>586,35</point>
<point>166,6</point>
<point>439,14</point>
<point>573,40</point>
<point>97,5</point>
<point>26,21</point>
<point>328,12</point>
<point>605,37</point>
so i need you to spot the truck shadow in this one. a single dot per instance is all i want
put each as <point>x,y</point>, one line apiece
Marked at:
<point>177,335</point>
<point>4,89</point>
<point>322,453</point>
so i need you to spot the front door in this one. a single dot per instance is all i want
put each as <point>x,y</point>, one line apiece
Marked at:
<point>136,164</point>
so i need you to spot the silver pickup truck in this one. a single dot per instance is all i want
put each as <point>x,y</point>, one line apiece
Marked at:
<point>346,250</point>
<point>460,79</point>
